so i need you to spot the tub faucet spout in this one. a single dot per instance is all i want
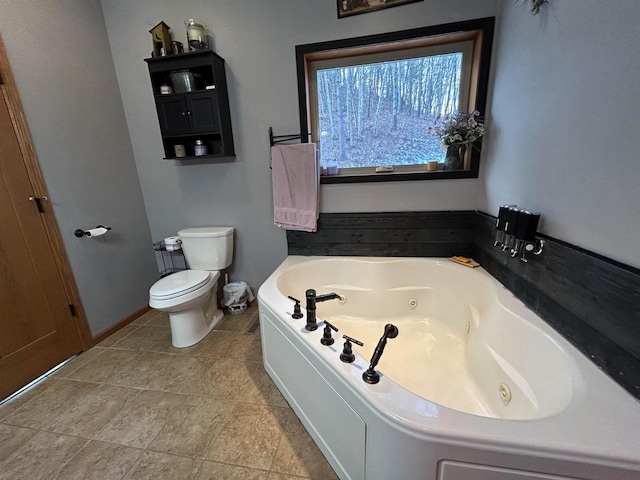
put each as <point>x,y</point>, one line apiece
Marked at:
<point>312,299</point>
<point>327,296</point>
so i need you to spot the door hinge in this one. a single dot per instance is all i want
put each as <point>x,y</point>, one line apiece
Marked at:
<point>72,309</point>
<point>38,201</point>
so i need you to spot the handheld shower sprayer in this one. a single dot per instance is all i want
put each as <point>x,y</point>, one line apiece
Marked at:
<point>370,375</point>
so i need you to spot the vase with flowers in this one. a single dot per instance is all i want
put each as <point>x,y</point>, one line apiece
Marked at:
<point>456,131</point>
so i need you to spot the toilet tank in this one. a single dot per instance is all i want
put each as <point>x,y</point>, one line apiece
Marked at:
<point>207,248</point>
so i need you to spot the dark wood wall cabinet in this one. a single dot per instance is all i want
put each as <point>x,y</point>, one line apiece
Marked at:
<point>197,109</point>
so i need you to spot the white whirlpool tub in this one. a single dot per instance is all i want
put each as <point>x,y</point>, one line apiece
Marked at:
<point>474,387</point>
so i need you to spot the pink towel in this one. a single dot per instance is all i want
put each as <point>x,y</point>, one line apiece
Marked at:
<point>296,177</point>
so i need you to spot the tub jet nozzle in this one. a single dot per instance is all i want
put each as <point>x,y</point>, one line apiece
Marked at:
<point>370,375</point>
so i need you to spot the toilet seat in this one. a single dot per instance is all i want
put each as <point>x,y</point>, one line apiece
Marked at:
<point>179,284</point>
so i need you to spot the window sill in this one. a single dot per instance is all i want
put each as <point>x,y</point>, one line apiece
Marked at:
<point>398,176</point>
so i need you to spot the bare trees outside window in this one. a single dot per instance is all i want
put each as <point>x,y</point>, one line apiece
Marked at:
<point>379,114</point>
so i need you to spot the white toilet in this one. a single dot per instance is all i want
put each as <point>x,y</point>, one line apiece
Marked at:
<point>190,296</point>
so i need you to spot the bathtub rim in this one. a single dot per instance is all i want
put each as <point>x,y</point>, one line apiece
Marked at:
<point>460,428</point>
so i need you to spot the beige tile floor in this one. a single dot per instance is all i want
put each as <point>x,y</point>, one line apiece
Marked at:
<point>134,407</point>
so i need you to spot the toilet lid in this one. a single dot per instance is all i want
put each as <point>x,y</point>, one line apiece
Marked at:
<point>179,283</point>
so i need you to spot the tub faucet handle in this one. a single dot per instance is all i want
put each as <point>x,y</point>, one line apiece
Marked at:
<point>347,355</point>
<point>297,313</point>
<point>327,339</point>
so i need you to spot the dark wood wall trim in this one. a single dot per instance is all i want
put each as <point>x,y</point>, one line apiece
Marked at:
<point>593,301</point>
<point>394,234</point>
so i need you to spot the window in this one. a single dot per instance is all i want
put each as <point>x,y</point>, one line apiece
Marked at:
<point>369,101</point>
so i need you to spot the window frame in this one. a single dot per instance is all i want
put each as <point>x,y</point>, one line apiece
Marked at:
<point>480,31</point>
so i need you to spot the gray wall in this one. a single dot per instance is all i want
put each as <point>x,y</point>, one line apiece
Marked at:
<point>257,39</point>
<point>565,122</point>
<point>62,65</point>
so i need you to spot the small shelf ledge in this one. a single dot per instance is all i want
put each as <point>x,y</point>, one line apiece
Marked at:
<point>200,157</point>
<point>195,135</point>
<point>176,94</point>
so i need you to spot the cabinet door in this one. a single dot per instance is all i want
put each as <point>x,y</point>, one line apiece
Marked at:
<point>203,112</point>
<point>173,115</point>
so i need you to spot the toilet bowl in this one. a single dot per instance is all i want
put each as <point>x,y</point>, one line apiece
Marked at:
<point>190,298</point>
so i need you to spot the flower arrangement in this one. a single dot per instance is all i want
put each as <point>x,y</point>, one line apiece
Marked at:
<point>458,129</point>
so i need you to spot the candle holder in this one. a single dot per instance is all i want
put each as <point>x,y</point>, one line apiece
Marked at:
<point>196,38</point>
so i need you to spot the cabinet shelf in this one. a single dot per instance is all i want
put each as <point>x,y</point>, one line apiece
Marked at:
<point>205,52</point>
<point>198,157</point>
<point>203,114</point>
<point>166,95</point>
<point>194,135</point>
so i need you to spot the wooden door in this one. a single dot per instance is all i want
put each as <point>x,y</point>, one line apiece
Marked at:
<point>37,327</point>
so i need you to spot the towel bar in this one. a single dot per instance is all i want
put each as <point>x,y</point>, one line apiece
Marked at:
<point>273,139</point>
